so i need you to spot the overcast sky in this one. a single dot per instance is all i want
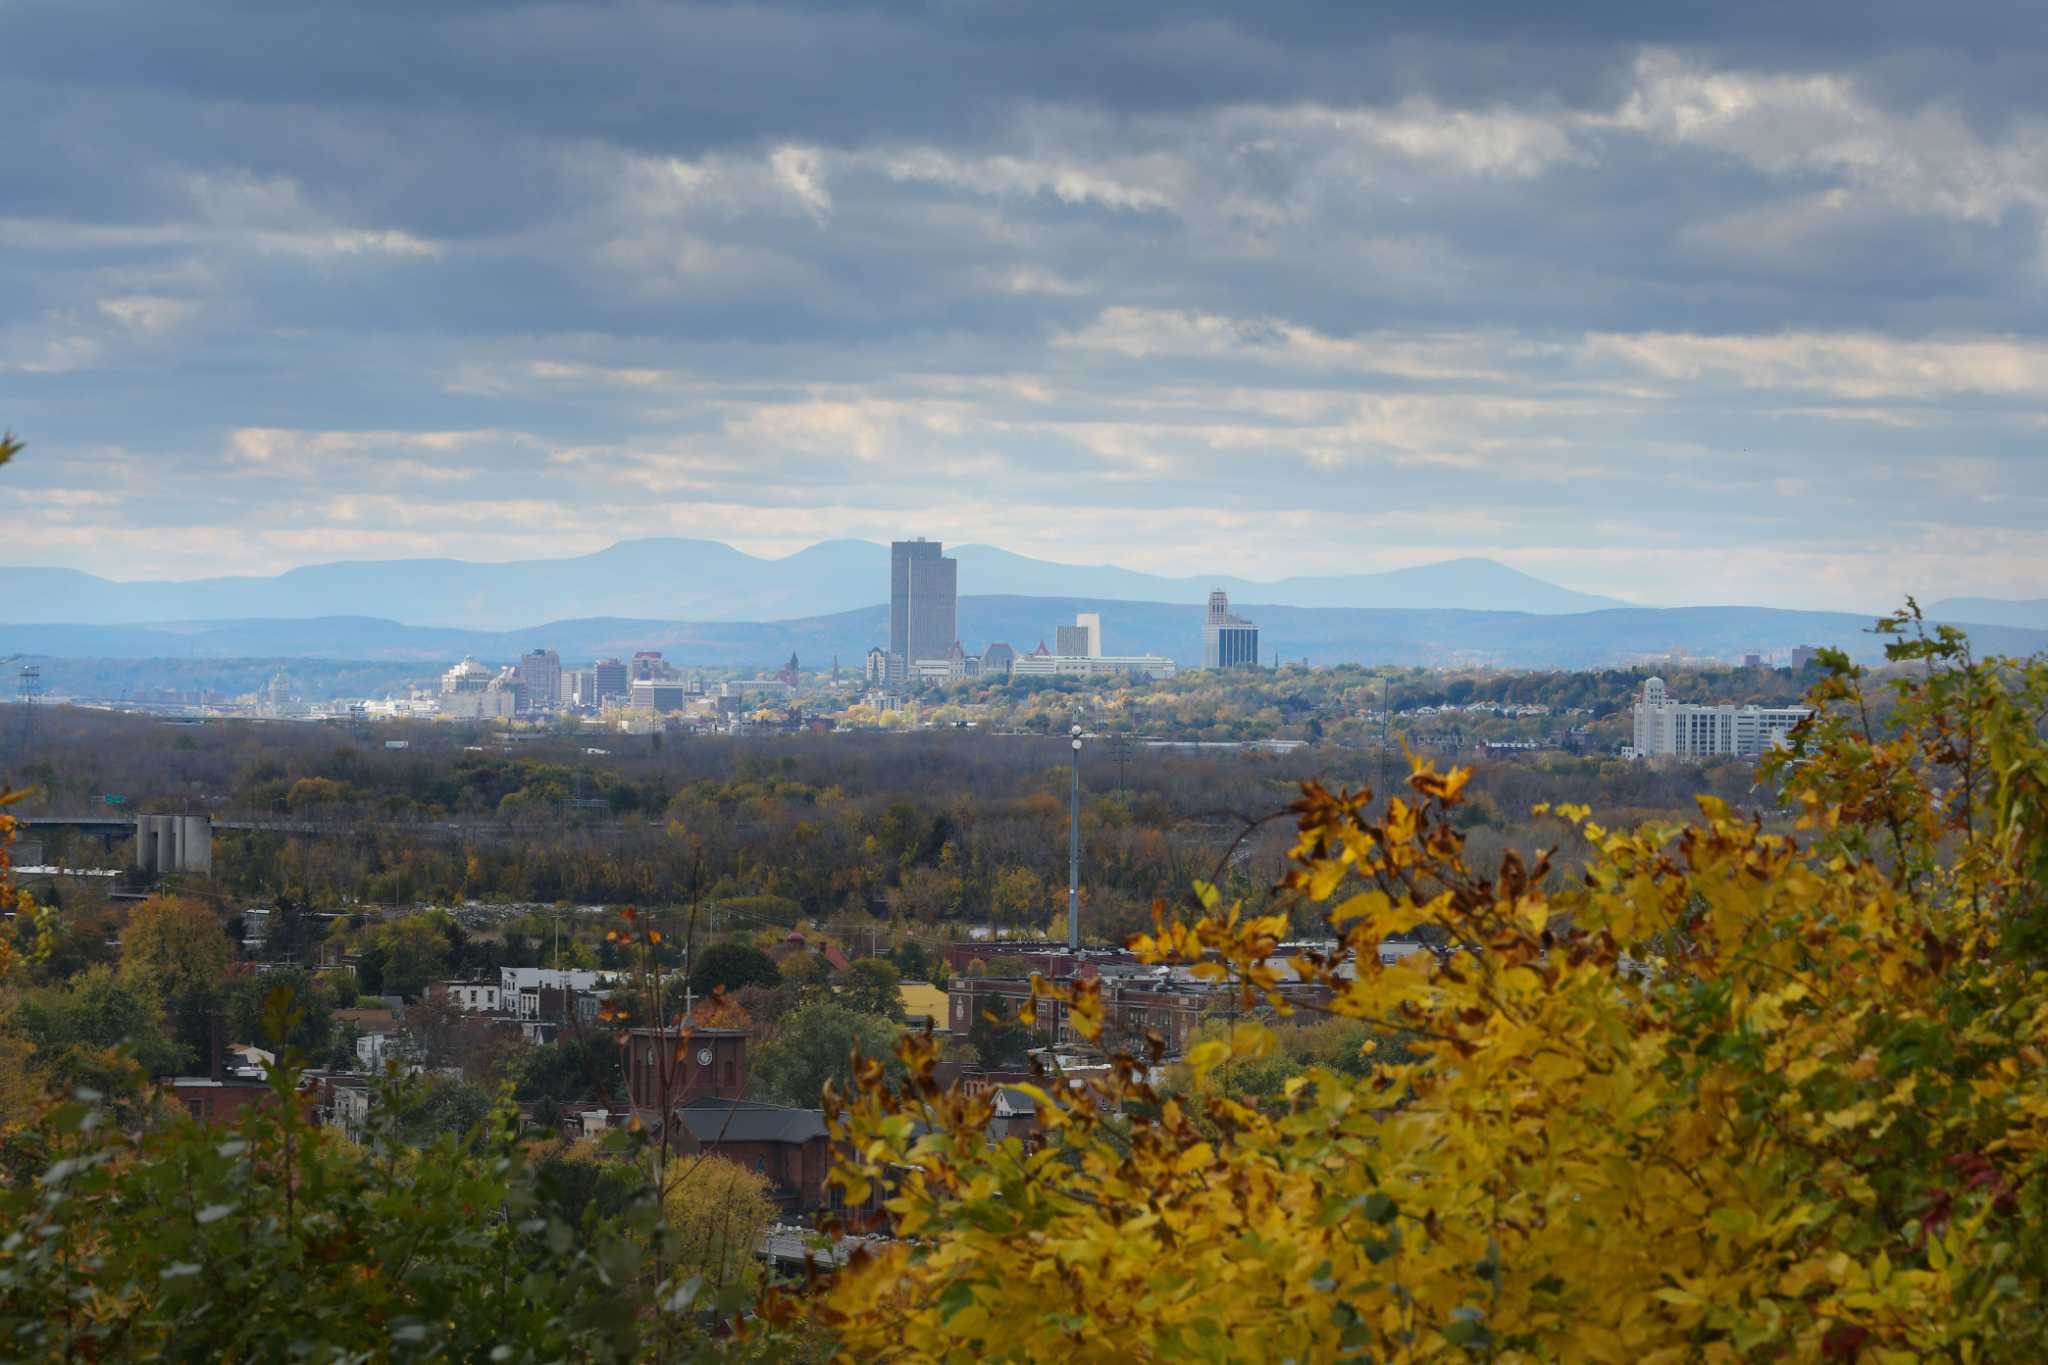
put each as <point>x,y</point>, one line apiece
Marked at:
<point>1702,303</point>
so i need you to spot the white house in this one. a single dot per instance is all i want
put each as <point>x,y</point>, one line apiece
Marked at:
<point>374,1049</point>
<point>474,997</point>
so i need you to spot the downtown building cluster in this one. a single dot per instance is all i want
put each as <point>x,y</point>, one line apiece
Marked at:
<point>923,651</point>
<point>924,646</point>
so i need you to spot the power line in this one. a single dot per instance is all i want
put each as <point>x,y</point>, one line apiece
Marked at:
<point>1120,750</point>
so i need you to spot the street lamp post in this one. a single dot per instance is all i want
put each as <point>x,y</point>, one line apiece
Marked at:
<point>1074,853</point>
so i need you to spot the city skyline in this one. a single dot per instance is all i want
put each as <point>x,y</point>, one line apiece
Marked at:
<point>1741,305</point>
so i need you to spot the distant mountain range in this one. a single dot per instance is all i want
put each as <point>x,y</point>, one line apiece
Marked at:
<point>704,580</point>
<point>2031,614</point>
<point>1323,635</point>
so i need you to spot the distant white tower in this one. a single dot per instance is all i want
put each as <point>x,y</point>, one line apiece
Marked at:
<point>1228,641</point>
<point>277,694</point>
<point>1092,623</point>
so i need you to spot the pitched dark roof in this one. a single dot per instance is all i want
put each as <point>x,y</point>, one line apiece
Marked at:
<point>711,1120</point>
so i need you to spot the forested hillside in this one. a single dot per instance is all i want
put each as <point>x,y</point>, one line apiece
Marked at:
<point>944,827</point>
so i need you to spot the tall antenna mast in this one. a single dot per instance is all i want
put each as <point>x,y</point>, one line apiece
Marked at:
<point>26,691</point>
<point>1074,854</point>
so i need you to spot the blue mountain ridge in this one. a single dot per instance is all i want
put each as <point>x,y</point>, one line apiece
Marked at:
<point>705,580</point>
<point>2030,614</point>
<point>1322,635</point>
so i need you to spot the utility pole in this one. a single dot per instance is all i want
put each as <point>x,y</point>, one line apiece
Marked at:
<point>1074,853</point>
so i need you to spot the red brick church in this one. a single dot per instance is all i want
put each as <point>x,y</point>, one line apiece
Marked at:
<point>694,1078</point>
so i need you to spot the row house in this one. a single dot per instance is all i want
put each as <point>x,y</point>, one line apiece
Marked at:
<point>471,997</point>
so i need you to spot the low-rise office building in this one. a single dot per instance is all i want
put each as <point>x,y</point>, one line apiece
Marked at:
<point>659,696</point>
<point>1037,665</point>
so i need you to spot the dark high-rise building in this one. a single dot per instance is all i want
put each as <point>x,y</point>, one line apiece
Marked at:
<point>541,671</point>
<point>924,602</point>
<point>609,680</point>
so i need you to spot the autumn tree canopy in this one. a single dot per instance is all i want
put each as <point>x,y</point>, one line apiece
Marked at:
<point>1729,1095</point>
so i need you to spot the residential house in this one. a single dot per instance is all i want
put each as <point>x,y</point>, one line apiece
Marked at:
<point>471,997</point>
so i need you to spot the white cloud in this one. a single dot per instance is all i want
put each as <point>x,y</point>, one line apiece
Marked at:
<point>868,429</point>
<point>1142,333</point>
<point>65,497</point>
<point>1032,280</point>
<point>1861,366</point>
<point>394,456</point>
<point>801,171</point>
<point>1069,182</point>
<point>273,214</point>
<point>147,312</point>
<point>346,242</point>
<point>38,351</point>
<point>1514,144</point>
<point>1819,123</point>
<point>522,514</point>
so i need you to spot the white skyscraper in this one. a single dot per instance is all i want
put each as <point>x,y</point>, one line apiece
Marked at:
<point>1228,641</point>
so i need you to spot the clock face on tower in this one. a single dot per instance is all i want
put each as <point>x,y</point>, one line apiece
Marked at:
<point>703,1056</point>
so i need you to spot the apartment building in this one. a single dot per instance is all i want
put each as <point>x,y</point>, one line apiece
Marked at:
<point>1673,729</point>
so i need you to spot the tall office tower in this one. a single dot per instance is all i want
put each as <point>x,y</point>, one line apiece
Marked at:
<point>1228,641</point>
<point>467,676</point>
<point>924,602</point>
<point>541,671</point>
<point>609,681</point>
<point>649,666</point>
<point>1082,640</point>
